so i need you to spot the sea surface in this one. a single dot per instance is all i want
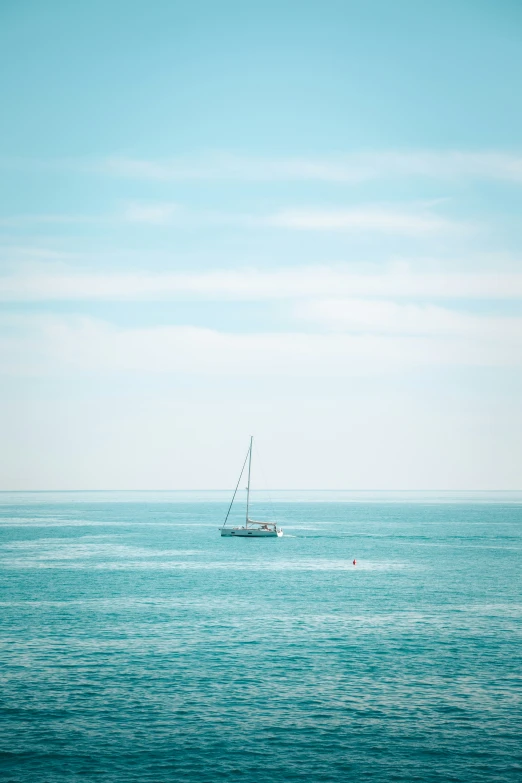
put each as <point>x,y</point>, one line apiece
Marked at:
<point>139,645</point>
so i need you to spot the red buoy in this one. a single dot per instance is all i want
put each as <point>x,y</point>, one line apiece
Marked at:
<point>355,561</point>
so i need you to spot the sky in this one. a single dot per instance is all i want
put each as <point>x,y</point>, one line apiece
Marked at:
<point>297,220</point>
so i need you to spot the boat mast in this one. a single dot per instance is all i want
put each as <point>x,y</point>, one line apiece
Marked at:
<point>248,485</point>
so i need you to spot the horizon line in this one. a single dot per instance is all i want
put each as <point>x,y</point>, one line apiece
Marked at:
<point>258,490</point>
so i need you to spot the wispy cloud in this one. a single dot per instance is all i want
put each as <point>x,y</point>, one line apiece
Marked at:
<point>408,220</point>
<point>66,283</point>
<point>64,218</point>
<point>353,167</point>
<point>160,213</point>
<point>374,316</point>
<point>48,344</point>
<point>387,219</point>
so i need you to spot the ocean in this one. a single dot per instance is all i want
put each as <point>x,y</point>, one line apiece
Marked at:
<point>139,645</point>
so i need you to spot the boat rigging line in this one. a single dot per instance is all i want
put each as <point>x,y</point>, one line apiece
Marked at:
<point>237,487</point>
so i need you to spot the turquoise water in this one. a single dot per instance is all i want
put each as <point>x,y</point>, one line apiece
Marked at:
<point>139,645</point>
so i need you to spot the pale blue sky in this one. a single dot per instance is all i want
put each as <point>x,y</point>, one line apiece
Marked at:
<point>296,219</point>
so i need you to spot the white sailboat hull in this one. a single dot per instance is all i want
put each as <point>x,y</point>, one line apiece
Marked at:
<point>244,532</point>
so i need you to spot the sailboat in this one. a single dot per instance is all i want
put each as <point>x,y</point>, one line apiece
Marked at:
<point>251,528</point>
